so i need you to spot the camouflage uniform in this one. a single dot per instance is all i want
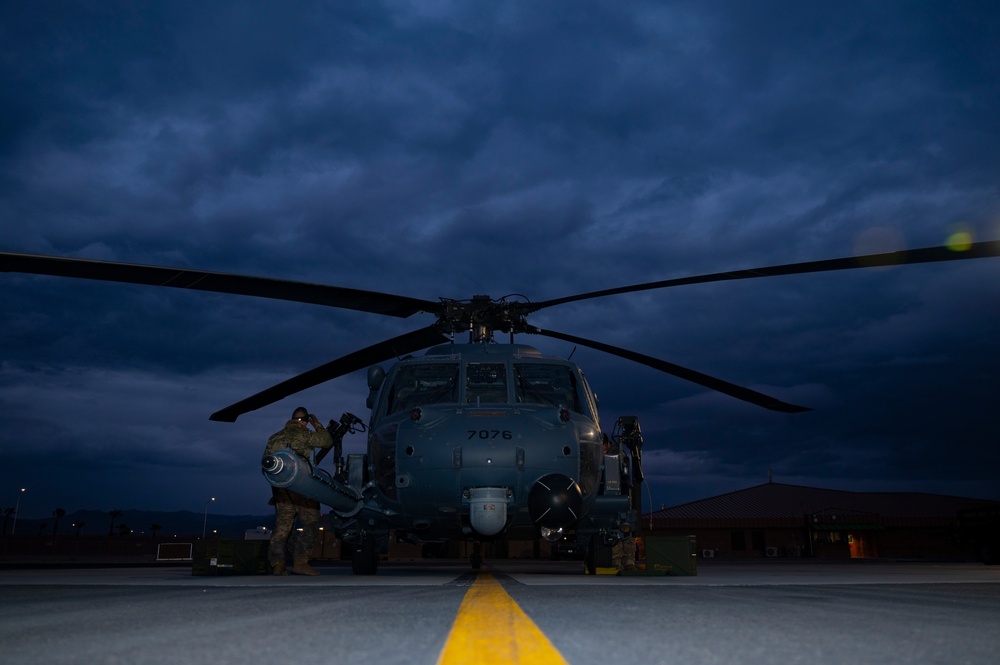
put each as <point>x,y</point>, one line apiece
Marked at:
<point>623,553</point>
<point>289,504</point>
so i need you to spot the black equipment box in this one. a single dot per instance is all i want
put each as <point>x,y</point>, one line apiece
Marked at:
<point>230,557</point>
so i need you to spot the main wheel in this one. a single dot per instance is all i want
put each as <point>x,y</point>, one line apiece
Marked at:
<point>365,559</point>
<point>590,560</point>
<point>598,554</point>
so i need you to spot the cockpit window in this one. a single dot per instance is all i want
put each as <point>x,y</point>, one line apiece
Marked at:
<point>423,383</point>
<point>552,385</point>
<point>486,383</point>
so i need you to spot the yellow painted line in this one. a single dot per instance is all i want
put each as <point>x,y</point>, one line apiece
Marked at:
<point>491,628</point>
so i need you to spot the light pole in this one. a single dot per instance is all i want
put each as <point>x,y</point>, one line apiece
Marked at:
<point>204,526</point>
<point>17,506</point>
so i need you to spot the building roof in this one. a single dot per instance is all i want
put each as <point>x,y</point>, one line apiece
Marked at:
<point>781,501</point>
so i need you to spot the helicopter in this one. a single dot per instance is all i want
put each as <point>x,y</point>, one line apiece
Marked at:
<point>475,440</point>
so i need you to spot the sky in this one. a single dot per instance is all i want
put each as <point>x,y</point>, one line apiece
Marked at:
<point>450,149</point>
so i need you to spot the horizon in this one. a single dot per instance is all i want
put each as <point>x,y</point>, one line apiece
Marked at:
<point>646,508</point>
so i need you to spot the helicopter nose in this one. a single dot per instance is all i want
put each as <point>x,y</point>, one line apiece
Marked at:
<point>555,501</point>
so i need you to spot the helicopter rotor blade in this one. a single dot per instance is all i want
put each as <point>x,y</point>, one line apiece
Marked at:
<point>182,278</point>
<point>977,250</point>
<point>731,389</point>
<point>376,353</point>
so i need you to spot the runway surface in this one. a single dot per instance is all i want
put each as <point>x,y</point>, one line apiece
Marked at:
<point>511,612</point>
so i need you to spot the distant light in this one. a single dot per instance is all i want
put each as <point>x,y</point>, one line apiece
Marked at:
<point>959,241</point>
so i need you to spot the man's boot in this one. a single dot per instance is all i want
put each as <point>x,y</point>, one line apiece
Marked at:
<point>279,569</point>
<point>302,567</point>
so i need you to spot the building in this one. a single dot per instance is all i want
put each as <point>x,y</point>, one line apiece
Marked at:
<point>778,520</point>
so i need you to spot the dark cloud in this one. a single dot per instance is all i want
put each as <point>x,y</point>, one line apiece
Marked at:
<point>453,149</point>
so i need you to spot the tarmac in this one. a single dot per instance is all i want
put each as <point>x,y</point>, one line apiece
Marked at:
<point>788,611</point>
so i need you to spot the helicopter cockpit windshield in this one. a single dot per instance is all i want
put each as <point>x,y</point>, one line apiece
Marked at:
<point>553,385</point>
<point>486,383</point>
<point>423,383</point>
<point>475,383</point>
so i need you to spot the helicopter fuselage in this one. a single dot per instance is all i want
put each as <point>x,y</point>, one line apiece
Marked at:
<point>473,442</point>
<point>460,437</point>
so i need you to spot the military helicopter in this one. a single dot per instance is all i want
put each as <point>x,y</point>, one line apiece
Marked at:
<point>476,440</point>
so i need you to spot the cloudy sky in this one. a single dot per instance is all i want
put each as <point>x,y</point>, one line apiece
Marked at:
<point>449,149</point>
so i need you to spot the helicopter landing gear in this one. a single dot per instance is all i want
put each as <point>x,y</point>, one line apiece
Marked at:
<point>598,555</point>
<point>365,559</point>
<point>476,559</point>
